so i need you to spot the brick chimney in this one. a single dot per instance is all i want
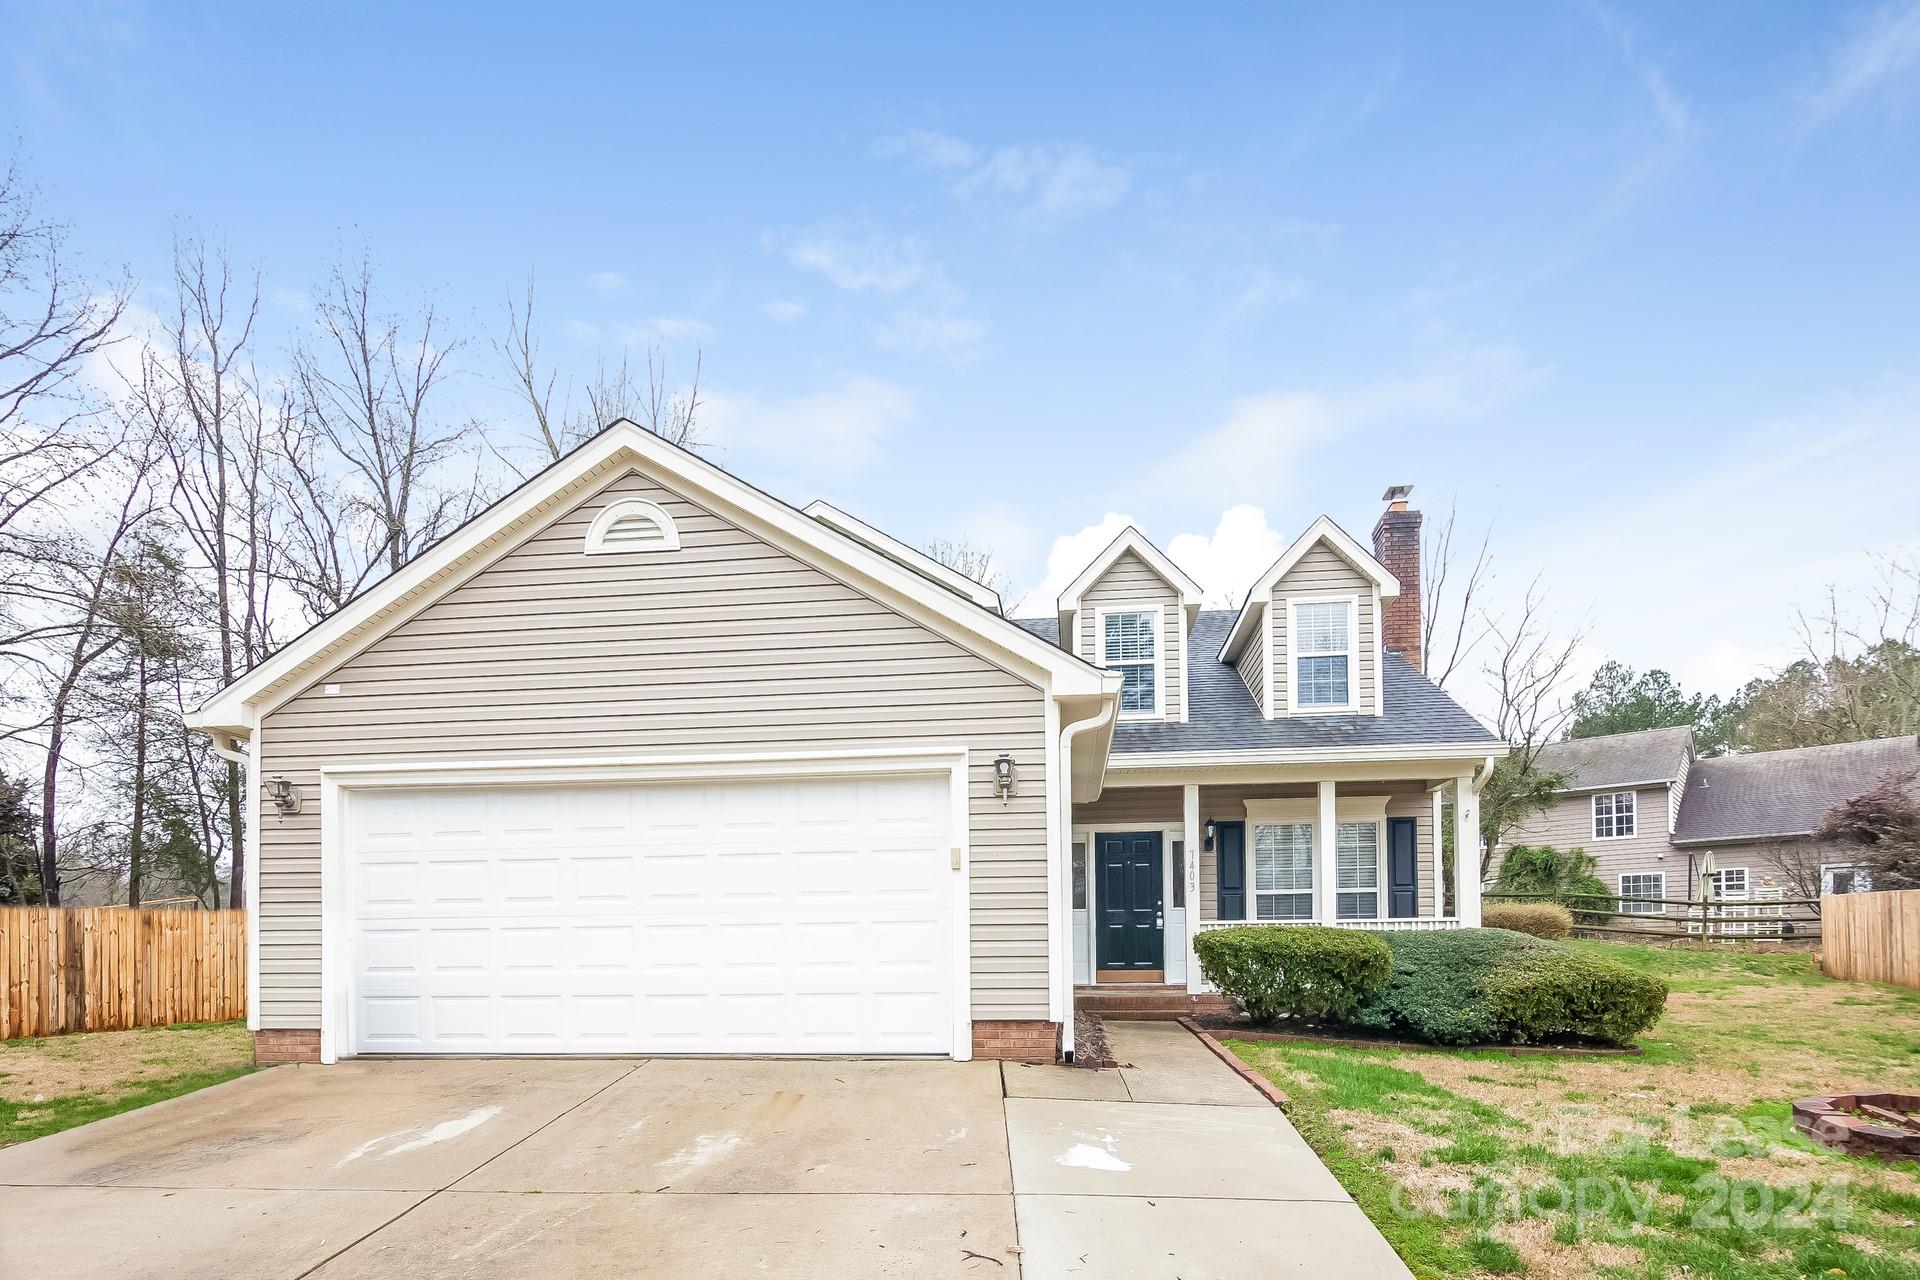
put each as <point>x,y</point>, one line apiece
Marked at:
<point>1396,544</point>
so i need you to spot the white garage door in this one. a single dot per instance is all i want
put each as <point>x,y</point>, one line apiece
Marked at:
<point>788,916</point>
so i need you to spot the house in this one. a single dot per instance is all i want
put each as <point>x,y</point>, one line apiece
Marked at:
<point>1648,810</point>
<point>643,760</point>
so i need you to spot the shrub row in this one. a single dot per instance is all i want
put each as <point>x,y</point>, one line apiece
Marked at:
<point>1460,986</point>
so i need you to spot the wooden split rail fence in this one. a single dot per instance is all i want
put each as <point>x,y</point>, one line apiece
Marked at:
<point>109,969</point>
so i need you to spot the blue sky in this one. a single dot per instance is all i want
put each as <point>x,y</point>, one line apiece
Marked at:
<point>1638,286</point>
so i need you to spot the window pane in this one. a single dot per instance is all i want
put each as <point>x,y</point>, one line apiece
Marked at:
<point>1323,682</point>
<point>1643,885</point>
<point>1320,628</point>
<point>1079,875</point>
<point>1129,637</point>
<point>1357,906</point>
<point>1138,692</point>
<point>1179,873</point>
<point>1283,856</point>
<point>1356,856</point>
<point>1283,906</point>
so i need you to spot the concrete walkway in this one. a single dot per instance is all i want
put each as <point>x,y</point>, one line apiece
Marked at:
<point>1169,1166</point>
<point>1173,1166</point>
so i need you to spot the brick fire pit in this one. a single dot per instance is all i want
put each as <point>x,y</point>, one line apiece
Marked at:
<point>1886,1125</point>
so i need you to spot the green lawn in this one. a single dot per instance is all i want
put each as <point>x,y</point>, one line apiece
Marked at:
<point>1681,1161</point>
<point>57,1082</point>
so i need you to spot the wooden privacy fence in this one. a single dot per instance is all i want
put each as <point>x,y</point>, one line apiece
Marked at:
<point>1872,937</point>
<point>108,969</point>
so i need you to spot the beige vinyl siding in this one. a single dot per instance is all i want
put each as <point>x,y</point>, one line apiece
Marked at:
<point>1568,824</point>
<point>726,644</point>
<point>1322,572</point>
<point>1251,665</point>
<point>1129,580</point>
<point>1151,807</point>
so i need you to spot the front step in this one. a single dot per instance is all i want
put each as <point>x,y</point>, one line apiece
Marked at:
<point>1145,1002</point>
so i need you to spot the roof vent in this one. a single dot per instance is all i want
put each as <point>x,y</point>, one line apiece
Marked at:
<point>632,525</point>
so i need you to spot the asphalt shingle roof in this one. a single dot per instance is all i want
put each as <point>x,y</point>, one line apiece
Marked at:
<point>1222,715</point>
<point>1618,759</point>
<point>1779,793</point>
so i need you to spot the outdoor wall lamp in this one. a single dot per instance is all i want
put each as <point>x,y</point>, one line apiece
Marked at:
<point>283,794</point>
<point>1209,844</point>
<point>1003,775</point>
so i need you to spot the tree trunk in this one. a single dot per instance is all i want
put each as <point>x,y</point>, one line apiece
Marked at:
<point>49,795</point>
<point>136,831</point>
<point>237,889</point>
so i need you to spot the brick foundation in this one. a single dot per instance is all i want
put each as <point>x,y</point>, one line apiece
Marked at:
<point>274,1048</point>
<point>1017,1041</point>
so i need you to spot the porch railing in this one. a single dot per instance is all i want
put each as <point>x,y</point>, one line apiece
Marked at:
<point>1397,924</point>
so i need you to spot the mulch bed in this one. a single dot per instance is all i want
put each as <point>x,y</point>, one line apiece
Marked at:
<point>1235,1027</point>
<point>1090,1047</point>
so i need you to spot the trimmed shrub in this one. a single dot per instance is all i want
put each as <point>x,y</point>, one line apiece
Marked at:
<point>1294,971</point>
<point>1557,991</point>
<point>1495,986</point>
<point>1537,919</point>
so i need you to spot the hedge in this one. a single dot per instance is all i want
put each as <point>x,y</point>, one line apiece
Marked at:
<point>1540,919</point>
<point>1294,971</point>
<point>1494,986</point>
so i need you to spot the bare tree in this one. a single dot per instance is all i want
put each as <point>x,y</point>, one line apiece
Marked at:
<point>971,560</point>
<point>615,392</point>
<point>200,394</point>
<point>83,580</point>
<point>52,323</point>
<point>1531,671</point>
<point>1453,621</point>
<point>367,443</point>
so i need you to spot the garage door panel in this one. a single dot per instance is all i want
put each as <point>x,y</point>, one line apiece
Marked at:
<point>781,916</point>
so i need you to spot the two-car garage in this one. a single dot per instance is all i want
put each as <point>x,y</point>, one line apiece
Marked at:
<point>811,915</point>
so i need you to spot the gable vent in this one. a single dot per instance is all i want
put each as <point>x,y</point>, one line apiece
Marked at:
<point>632,525</point>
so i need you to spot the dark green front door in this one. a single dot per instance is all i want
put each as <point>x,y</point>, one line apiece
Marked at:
<point>1128,889</point>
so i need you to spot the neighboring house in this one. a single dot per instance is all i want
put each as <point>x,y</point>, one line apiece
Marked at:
<point>642,760</point>
<point>1648,809</point>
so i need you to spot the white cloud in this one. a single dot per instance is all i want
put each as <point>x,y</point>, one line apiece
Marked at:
<point>582,332</point>
<point>1265,435</point>
<point>1225,562</point>
<point>1069,554</point>
<point>1675,112</point>
<point>1264,287</point>
<point>783,310</point>
<point>1880,59</point>
<point>804,442</point>
<point>860,263</point>
<point>607,283</point>
<point>925,149</point>
<point>1053,184</point>
<point>1044,184</point>
<point>934,328</point>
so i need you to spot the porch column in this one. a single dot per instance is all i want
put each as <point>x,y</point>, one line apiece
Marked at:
<point>1190,819</point>
<point>1324,831</point>
<point>1439,880</point>
<point>1466,852</point>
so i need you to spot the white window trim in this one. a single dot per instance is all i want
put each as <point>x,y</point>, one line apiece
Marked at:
<point>1826,867</point>
<point>1746,877</point>
<point>614,512</point>
<point>1643,909</point>
<point>1099,659</point>
<point>1347,810</point>
<point>1593,815</point>
<point>1352,705</point>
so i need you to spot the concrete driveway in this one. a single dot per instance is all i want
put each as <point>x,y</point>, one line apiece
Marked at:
<point>678,1167</point>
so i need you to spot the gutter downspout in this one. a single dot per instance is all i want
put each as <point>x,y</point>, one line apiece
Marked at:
<point>1063,920</point>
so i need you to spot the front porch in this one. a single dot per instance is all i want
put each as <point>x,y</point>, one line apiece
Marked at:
<point>1155,864</point>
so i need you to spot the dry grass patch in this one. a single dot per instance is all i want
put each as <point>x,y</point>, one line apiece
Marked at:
<point>107,1062</point>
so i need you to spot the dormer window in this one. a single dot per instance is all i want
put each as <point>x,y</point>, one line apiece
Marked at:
<point>1322,639</point>
<point>632,525</point>
<point>1129,644</point>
